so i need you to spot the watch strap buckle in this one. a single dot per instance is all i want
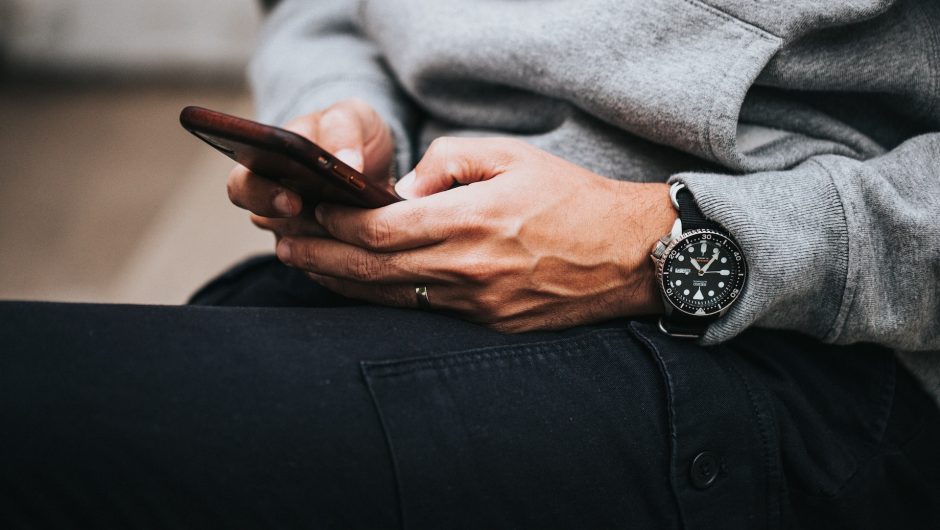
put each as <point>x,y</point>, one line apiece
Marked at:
<point>678,334</point>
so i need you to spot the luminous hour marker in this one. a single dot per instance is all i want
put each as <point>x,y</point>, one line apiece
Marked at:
<point>691,249</point>
<point>711,293</point>
<point>703,247</point>
<point>721,285</point>
<point>698,295</point>
<point>678,282</point>
<point>724,272</point>
<point>686,292</point>
<point>681,257</point>
<point>724,260</point>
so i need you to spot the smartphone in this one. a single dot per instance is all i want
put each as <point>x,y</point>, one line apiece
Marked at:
<point>288,159</point>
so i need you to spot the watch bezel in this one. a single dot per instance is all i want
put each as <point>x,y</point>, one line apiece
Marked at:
<point>739,279</point>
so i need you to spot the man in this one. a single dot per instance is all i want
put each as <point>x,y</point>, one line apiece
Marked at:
<point>559,143</point>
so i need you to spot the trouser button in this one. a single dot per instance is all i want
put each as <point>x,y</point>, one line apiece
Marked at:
<point>704,469</point>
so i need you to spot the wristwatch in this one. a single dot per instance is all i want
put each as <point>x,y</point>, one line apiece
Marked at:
<point>700,269</point>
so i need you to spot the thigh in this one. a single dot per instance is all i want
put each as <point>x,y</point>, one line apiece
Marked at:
<point>257,417</point>
<point>852,436</point>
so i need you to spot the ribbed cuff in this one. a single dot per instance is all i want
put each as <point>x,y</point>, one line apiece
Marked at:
<point>792,228</point>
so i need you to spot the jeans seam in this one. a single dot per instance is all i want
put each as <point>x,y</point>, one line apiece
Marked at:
<point>461,358</point>
<point>766,426</point>
<point>363,370</point>
<point>669,385</point>
<point>888,391</point>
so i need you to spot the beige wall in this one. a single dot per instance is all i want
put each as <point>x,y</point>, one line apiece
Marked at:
<point>130,34</point>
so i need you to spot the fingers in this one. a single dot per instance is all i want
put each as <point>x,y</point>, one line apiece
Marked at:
<point>303,225</point>
<point>260,195</point>
<point>441,297</point>
<point>329,257</point>
<point>450,161</point>
<point>395,295</point>
<point>399,226</point>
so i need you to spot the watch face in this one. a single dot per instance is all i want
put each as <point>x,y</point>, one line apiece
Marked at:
<point>703,272</point>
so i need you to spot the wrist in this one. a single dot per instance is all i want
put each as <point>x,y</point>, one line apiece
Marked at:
<point>645,213</point>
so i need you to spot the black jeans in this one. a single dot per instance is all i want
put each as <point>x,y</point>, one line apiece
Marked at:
<point>368,417</point>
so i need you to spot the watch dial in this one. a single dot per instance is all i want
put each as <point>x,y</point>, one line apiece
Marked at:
<point>703,272</point>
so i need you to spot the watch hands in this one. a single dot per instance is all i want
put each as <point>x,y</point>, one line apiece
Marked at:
<point>709,264</point>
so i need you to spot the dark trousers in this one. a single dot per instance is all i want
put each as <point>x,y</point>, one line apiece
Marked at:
<point>345,416</point>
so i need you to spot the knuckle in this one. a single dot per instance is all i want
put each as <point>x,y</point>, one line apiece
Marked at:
<point>440,146</point>
<point>488,306</point>
<point>307,257</point>
<point>329,225</point>
<point>377,233</point>
<point>478,270</point>
<point>362,267</point>
<point>454,169</point>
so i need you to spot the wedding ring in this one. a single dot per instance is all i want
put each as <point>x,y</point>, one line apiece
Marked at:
<point>421,293</point>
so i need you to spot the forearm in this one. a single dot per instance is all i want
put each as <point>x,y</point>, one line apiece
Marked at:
<point>841,249</point>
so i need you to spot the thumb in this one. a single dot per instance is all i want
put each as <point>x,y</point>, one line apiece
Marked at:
<point>450,162</point>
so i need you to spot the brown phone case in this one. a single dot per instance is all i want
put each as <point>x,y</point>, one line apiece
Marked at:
<point>286,158</point>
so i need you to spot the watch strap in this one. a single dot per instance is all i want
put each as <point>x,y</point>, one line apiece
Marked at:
<point>692,217</point>
<point>685,326</point>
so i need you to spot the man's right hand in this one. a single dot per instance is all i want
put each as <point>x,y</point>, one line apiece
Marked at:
<point>350,129</point>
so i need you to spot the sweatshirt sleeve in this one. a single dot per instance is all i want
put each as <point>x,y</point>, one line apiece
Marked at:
<point>841,249</point>
<point>311,54</point>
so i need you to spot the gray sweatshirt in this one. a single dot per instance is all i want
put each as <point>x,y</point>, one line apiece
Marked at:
<point>807,128</point>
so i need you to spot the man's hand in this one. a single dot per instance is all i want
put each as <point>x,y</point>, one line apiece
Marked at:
<point>529,241</point>
<point>350,129</point>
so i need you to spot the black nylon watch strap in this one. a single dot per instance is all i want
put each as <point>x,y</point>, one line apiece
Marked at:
<point>692,217</point>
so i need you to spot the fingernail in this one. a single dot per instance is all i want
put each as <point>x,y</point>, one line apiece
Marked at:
<point>318,213</point>
<point>352,158</point>
<point>282,204</point>
<point>405,184</point>
<point>283,251</point>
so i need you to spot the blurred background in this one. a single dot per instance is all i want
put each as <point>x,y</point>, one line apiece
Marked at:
<point>103,196</point>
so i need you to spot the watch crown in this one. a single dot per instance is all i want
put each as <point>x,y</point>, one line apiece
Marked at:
<point>659,250</point>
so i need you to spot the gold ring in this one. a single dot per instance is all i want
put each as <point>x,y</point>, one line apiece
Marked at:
<point>421,293</point>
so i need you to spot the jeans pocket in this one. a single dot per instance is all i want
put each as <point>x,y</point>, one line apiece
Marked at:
<point>560,434</point>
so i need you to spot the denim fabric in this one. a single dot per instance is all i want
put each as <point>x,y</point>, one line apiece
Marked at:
<point>366,417</point>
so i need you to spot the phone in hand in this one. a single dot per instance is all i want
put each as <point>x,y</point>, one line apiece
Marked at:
<point>288,159</point>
